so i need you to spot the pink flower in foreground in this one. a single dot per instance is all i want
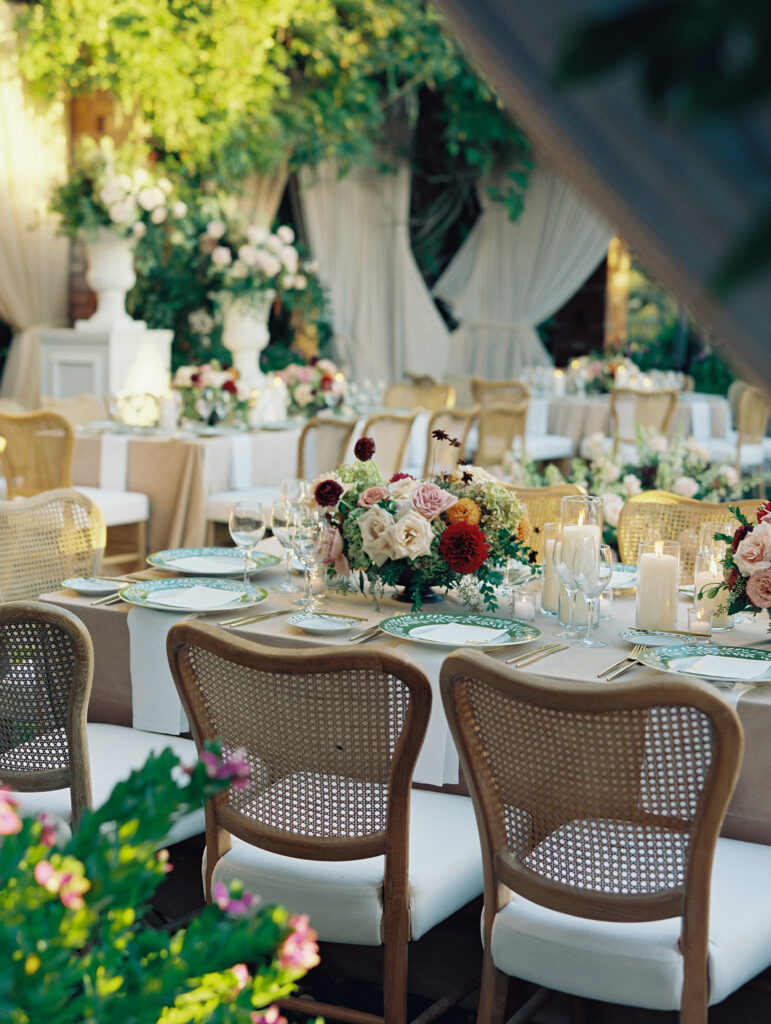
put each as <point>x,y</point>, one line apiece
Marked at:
<point>70,883</point>
<point>48,833</point>
<point>299,950</point>
<point>232,766</point>
<point>10,822</point>
<point>242,974</point>
<point>430,501</point>
<point>235,906</point>
<point>268,1016</point>
<point>753,553</point>
<point>759,588</point>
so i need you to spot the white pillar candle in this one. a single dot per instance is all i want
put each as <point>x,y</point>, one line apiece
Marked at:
<point>550,595</point>
<point>702,582</point>
<point>558,382</point>
<point>658,579</point>
<point>572,536</point>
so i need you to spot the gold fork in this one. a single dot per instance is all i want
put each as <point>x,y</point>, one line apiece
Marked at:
<point>633,655</point>
<point>632,662</point>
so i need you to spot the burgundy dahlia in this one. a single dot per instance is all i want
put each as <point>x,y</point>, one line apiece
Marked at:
<point>401,476</point>
<point>463,547</point>
<point>364,449</point>
<point>327,493</point>
<point>741,533</point>
<point>230,387</point>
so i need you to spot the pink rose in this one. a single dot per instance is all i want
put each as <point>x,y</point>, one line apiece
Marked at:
<point>430,500</point>
<point>754,551</point>
<point>371,496</point>
<point>759,588</point>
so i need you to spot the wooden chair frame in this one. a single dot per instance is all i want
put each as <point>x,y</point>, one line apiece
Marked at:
<point>752,416</point>
<point>485,391</point>
<point>345,428</point>
<point>406,420</point>
<point>393,843</point>
<point>20,459</point>
<point>14,616</point>
<point>503,421</point>
<point>542,505</point>
<point>640,399</point>
<point>457,423</point>
<point>425,396</point>
<point>503,873</point>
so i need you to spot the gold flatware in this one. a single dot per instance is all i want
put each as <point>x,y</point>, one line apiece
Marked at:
<point>620,671</point>
<point>366,634</point>
<point>524,655</point>
<point>542,654</point>
<point>369,636</point>
<point>246,620</point>
<point>110,599</point>
<point>341,615</point>
<point>633,655</point>
<point>665,632</point>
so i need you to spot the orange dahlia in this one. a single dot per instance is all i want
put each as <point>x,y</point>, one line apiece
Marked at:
<point>524,529</point>
<point>465,510</point>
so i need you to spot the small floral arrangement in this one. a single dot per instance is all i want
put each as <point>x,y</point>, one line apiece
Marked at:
<point>75,948</point>
<point>421,533</point>
<point>600,372</point>
<point>747,563</point>
<point>314,386</point>
<point>212,393</point>
<point>107,189</point>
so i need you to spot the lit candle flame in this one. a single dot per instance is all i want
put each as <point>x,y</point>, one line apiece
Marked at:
<point>659,547</point>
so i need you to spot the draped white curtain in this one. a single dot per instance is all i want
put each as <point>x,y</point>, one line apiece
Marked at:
<point>509,275</point>
<point>261,197</point>
<point>34,262</point>
<point>385,321</point>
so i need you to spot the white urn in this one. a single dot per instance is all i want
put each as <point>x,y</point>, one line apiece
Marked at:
<point>245,333</point>
<point>110,276</point>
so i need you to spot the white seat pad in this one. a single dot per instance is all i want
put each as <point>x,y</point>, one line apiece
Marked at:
<point>218,505</point>
<point>640,964</point>
<point>118,507</point>
<point>549,446</point>
<point>345,898</point>
<point>114,752</point>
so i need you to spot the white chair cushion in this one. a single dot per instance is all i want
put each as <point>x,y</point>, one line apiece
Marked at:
<point>549,446</point>
<point>345,898</point>
<point>114,752</point>
<point>118,507</point>
<point>640,964</point>
<point>218,505</point>
<point>723,449</point>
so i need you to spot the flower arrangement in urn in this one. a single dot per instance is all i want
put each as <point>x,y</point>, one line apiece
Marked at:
<point>313,387</point>
<point>747,563</point>
<point>75,946</point>
<point>443,532</point>
<point>212,393</point>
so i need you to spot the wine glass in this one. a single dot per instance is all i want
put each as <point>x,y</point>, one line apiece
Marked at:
<point>593,567</point>
<point>562,555</point>
<point>247,528</point>
<point>281,523</point>
<point>310,543</point>
<point>293,491</point>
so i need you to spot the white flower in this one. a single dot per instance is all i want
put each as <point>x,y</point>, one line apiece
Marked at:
<point>165,185</point>
<point>327,367</point>
<point>274,243</point>
<point>697,450</point>
<point>289,257</point>
<point>201,322</point>
<point>402,489</point>
<point>141,177</point>
<point>178,209</point>
<point>375,528</point>
<point>686,486</point>
<point>631,485</point>
<point>151,197</point>
<point>269,264</point>
<point>300,283</point>
<point>658,444</point>
<point>216,229</point>
<point>730,475</point>
<point>286,234</point>
<point>311,266</point>
<point>111,192</point>
<point>122,212</point>
<point>239,270</point>
<point>411,536</point>
<point>302,394</point>
<point>158,216</point>
<point>610,471</point>
<point>248,255</point>
<point>611,507</point>
<point>338,388</point>
<point>255,234</point>
<point>123,182</point>
<point>595,446</point>
<point>139,230</point>
<point>221,256</point>
<point>183,378</point>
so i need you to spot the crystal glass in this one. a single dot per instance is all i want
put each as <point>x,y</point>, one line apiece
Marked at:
<point>311,536</point>
<point>580,516</point>
<point>593,567</point>
<point>293,490</point>
<point>708,574</point>
<point>247,528</point>
<point>562,556</point>
<point>281,521</point>
<point>550,593</point>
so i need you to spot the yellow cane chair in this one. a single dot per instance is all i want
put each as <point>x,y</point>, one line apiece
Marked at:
<point>391,434</point>
<point>419,396</point>
<point>599,810</point>
<point>630,408</point>
<point>542,505</point>
<point>442,456</point>
<point>746,446</point>
<point>501,427</point>
<point>486,391</point>
<point>661,515</point>
<point>328,825</point>
<point>322,445</point>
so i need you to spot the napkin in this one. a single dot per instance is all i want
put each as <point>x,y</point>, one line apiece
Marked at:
<point>456,633</point>
<point>208,564</point>
<point>623,579</point>
<point>194,599</point>
<point>240,462</point>
<point>729,668</point>
<point>113,462</point>
<point>155,705</point>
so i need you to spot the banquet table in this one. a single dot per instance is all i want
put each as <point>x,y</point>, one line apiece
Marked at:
<point>132,683</point>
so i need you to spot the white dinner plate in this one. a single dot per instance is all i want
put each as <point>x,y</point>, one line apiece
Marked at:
<point>92,586</point>
<point>712,662</point>
<point>193,594</point>
<point>210,561</point>
<point>657,638</point>
<point>321,625</point>
<point>446,630</point>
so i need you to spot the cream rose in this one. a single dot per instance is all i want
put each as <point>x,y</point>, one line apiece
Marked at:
<point>631,485</point>
<point>302,394</point>
<point>402,489</point>
<point>375,529</point>
<point>611,508</point>
<point>411,536</point>
<point>686,486</point>
<point>754,552</point>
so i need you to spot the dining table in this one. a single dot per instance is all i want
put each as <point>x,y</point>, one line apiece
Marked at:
<point>133,685</point>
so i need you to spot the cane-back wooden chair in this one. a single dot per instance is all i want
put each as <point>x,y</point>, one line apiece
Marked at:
<point>322,445</point>
<point>419,396</point>
<point>747,446</point>
<point>53,761</point>
<point>443,455</point>
<point>599,810</point>
<point>327,824</point>
<point>653,409</point>
<point>486,391</point>
<point>661,515</point>
<point>543,505</point>
<point>391,434</point>
<point>501,427</point>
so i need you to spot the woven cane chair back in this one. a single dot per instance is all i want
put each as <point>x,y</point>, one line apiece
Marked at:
<point>46,539</point>
<point>332,738</point>
<point>46,669</point>
<point>500,424</point>
<point>661,515</point>
<point>322,445</point>
<point>599,802</point>
<point>752,416</point>
<point>78,410</point>
<point>419,396</point>
<point>485,391</point>
<point>443,455</point>
<point>630,409</point>
<point>542,505</point>
<point>391,434</point>
<point>38,453</point>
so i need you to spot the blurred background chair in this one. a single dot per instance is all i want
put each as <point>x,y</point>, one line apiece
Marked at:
<point>442,456</point>
<point>49,756</point>
<point>430,396</point>
<point>485,391</point>
<point>79,410</point>
<point>631,409</point>
<point>38,457</point>
<point>391,433</point>
<point>327,824</point>
<point>661,515</point>
<point>599,810</point>
<point>543,505</point>
<point>747,446</point>
<point>501,428</point>
<point>47,539</point>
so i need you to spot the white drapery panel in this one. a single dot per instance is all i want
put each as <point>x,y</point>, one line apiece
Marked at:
<point>34,262</point>
<point>261,197</point>
<point>385,321</point>
<point>509,275</point>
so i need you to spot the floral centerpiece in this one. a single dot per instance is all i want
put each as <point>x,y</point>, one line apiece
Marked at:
<point>212,393</point>
<point>74,943</point>
<point>445,532</point>
<point>313,387</point>
<point>600,372</point>
<point>747,563</point>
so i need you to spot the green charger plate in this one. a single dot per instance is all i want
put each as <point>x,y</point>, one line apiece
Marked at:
<point>510,631</point>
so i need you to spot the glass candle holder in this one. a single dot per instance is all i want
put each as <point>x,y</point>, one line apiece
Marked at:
<point>658,579</point>
<point>700,620</point>
<point>580,517</point>
<point>550,593</point>
<point>524,600</point>
<point>708,574</point>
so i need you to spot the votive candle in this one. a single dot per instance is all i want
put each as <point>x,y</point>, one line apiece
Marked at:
<point>658,578</point>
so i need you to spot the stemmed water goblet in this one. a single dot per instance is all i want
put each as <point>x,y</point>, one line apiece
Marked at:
<point>562,556</point>
<point>247,528</point>
<point>281,523</point>
<point>310,542</point>
<point>593,567</point>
